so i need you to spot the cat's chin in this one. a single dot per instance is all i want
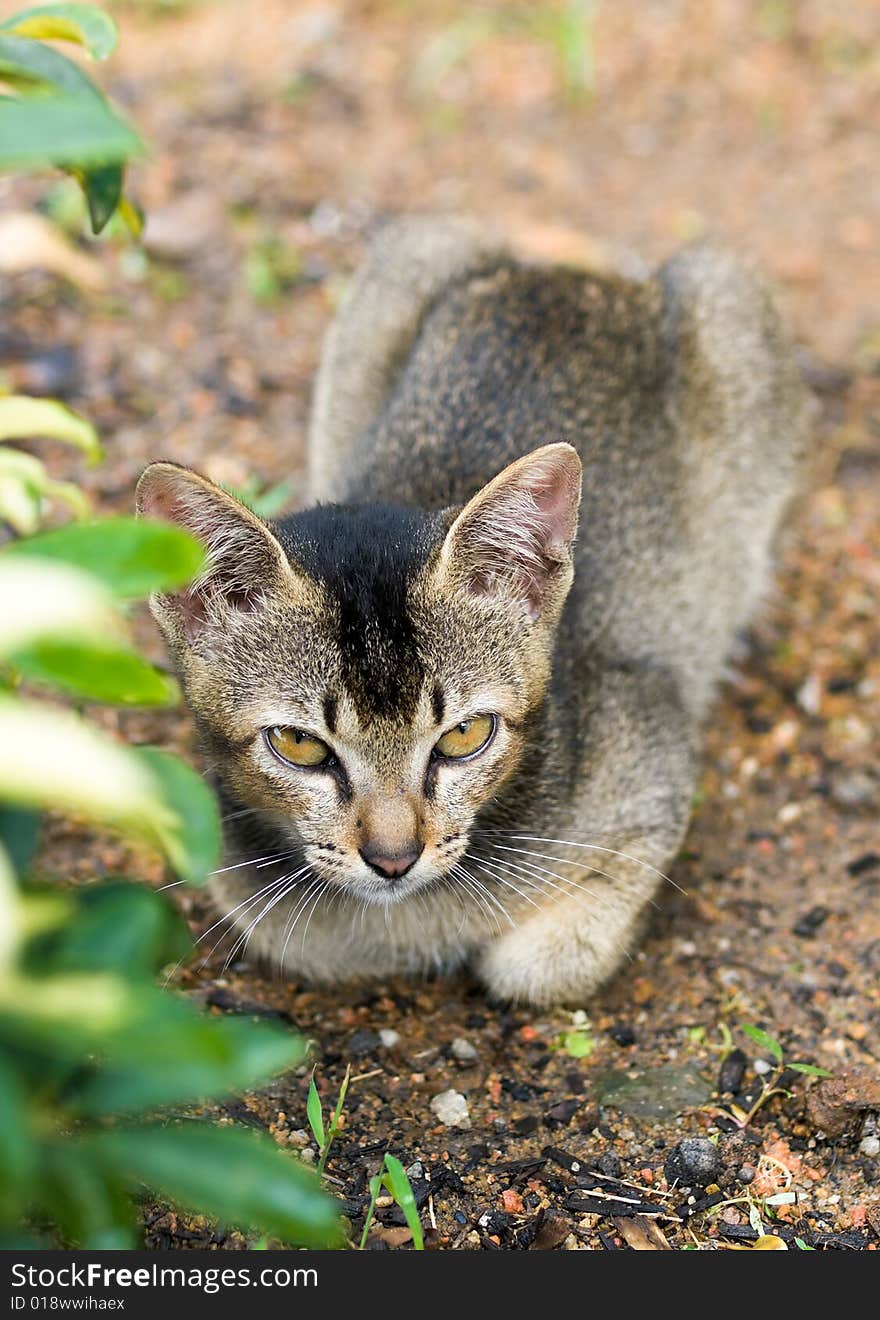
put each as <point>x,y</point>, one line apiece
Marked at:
<point>385,893</point>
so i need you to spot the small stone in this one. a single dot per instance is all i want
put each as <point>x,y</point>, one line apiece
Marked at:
<point>452,1109</point>
<point>693,1162</point>
<point>762,1067</point>
<point>746,1174</point>
<point>463,1050</point>
<point>300,1137</point>
<point>185,227</point>
<point>389,1037</point>
<point>870,1146</point>
<point>622,1034</point>
<point>731,1073</point>
<point>415,1170</point>
<point>807,925</point>
<point>308,1155</point>
<point>362,1041</point>
<point>609,1165</point>
<point>852,791</point>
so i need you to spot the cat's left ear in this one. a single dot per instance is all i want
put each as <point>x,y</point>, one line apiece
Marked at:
<point>513,540</point>
<point>245,563</point>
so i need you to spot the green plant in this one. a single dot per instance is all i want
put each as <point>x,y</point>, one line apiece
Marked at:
<point>771,1085</point>
<point>578,1042</point>
<point>324,1137</point>
<point>271,267</point>
<point>392,1176</point>
<point>567,27</point>
<point>95,1060</point>
<point>265,501</point>
<point>57,117</point>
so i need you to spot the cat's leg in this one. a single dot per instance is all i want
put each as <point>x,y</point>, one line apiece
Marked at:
<point>408,264</point>
<point>627,822</point>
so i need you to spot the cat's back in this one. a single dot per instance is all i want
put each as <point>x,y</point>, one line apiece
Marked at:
<point>679,392</point>
<point>505,360</point>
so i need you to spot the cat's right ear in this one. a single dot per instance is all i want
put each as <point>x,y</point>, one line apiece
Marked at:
<point>245,563</point>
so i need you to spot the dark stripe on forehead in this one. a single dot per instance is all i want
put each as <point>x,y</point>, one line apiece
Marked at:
<point>331,705</point>
<point>438,703</point>
<point>367,559</point>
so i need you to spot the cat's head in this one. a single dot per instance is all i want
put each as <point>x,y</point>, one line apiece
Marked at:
<point>365,677</point>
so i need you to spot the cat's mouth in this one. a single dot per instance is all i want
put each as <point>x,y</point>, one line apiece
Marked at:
<point>354,877</point>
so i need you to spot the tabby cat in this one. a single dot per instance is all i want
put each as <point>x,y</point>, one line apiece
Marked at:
<point>453,708</point>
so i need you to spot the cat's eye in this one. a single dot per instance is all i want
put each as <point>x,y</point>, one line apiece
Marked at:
<point>297,747</point>
<point>466,738</point>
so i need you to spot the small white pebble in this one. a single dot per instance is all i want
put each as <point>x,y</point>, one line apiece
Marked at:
<point>762,1067</point>
<point>809,696</point>
<point>789,812</point>
<point>452,1109</point>
<point>389,1037</point>
<point>463,1050</point>
<point>870,1146</point>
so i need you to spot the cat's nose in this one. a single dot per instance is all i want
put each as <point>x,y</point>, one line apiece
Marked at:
<point>391,865</point>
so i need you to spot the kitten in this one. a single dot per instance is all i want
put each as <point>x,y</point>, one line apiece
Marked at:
<point>443,729</point>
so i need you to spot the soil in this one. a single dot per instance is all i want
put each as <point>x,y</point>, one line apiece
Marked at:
<point>280,134</point>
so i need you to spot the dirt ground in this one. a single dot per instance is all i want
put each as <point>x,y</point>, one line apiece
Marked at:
<point>280,134</point>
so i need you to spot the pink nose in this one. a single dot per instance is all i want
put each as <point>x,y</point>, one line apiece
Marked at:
<point>391,865</point>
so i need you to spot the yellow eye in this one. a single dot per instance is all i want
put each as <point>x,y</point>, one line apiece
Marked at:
<point>296,747</point>
<point>467,738</point>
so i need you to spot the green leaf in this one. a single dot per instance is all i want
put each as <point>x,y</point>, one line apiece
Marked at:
<point>25,485</point>
<point>130,556</point>
<point>36,132</point>
<point>117,926</point>
<point>42,599</point>
<point>24,62</point>
<point>172,1055</point>
<point>85,24</point>
<point>51,758</point>
<point>87,1200</point>
<point>315,1115</point>
<point>23,418</point>
<point>103,190</point>
<point>17,1150</point>
<point>810,1070</point>
<point>19,835</point>
<point>190,832</point>
<point>578,1044</point>
<point>76,1004</point>
<point>98,671</point>
<point>765,1041</point>
<point>239,1178</point>
<point>398,1185</point>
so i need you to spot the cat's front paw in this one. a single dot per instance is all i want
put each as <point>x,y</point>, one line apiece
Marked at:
<point>524,970</point>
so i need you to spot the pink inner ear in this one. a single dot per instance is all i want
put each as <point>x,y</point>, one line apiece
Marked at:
<point>516,535</point>
<point>555,492</point>
<point>239,554</point>
<point>160,501</point>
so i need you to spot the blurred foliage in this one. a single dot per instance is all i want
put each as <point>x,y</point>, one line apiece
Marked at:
<point>271,268</point>
<point>85,1035</point>
<point>567,28</point>
<point>95,1060</point>
<point>265,501</point>
<point>52,114</point>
